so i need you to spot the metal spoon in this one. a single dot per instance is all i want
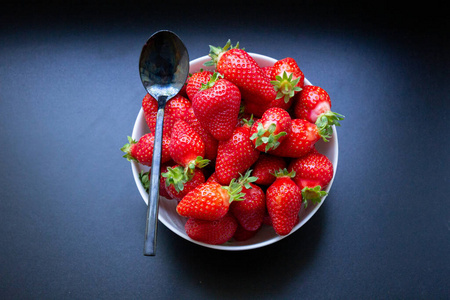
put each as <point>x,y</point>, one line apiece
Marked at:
<point>163,67</point>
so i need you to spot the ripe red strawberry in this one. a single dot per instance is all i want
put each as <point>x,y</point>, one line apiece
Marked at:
<point>258,109</point>
<point>235,155</point>
<point>265,167</point>
<point>211,143</point>
<point>209,201</point>
<point>144,177</point>
<point>314,172</point>
<point>216,106</point>
<point>212,232</point>
<point>175,109</point>
<point>195,82</point>
<point>301,140</point>
<point>250,211</point>
<point>162,180</point>
<point>268,71</point>
<point>141,151</point>
<point>150,109</point>
<point>237,66</point>
<point>186,146</point>
<point>268,132</point>
<point>287,78</point>
<point>180,181</point>
<point>242,234</point>
<point>284,200</point>
<point>314,105</point>
<point>212,178</point>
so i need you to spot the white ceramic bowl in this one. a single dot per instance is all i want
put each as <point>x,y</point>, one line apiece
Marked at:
<point>266,235</point>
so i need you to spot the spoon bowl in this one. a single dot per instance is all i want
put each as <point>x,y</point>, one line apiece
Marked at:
<point>163,68</point>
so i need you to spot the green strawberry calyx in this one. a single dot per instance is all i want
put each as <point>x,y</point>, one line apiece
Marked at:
<point>212,81</point>
<point>314,194</point>
<point>248,122</point>
<point>246,179</point>
<point>234,190</point>
<point>324,124</point>
<point>266,136</point>
<point>199,162</point>
<point>177,176</point>
<point>144,177</point>
<point>216,52</point>
<point>285,86</point>
<point>127,149</point>
<point>284,173</point>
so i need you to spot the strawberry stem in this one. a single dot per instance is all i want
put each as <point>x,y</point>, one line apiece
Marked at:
<point>127,149</point>
<point>234,190</point>
<point>177,176</point>
<point>285,86</point>
<point>267,137</point>
<point>216,76</point>
<point>216,52</point>
<point>249,122</point>
<point>325,122</point>
<point>284,173</point>
<point>145,180</point>
<point>246,179</point>
<point>314,195</point>
<point>199,162</point>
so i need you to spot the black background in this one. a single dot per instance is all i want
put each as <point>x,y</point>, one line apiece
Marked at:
<point>72,221</point>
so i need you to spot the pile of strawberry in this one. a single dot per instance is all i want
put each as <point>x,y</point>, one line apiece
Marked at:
<point>239,146</point>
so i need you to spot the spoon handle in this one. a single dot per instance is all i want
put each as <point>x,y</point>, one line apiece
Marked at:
<point>153,198</point>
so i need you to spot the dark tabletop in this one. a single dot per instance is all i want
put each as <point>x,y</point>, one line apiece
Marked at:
<point>72,220</point>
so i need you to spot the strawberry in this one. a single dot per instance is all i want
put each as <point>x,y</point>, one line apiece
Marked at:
<point>314,105</point>
<point>212,178</point>
<point>141,151</point>
<point>175,109</point>
<point>235,155</point>
<point>212,232</point>
<point>211,143</point>
<point>186,147</point>
<point>209,201</point>
<point>287,78</point>
<point>162,180</point>
<point>195,82</point>
<point>237,66</point>
<point>150,109</point>
<point>267,220</point>
<point>284,200</point>
<point>242,234</point>
<point>314,172</point>
<point>250,211</point>
<point>178,182</point>
<point>268,71</point>
<point>268,132</point>
<point>217,105</point>
<point>144,177</point>
<point>301,139</point>
<point>265,167</point>
<point>258,109</point>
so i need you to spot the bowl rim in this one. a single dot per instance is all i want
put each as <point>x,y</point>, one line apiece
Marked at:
<point>227,246</point>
